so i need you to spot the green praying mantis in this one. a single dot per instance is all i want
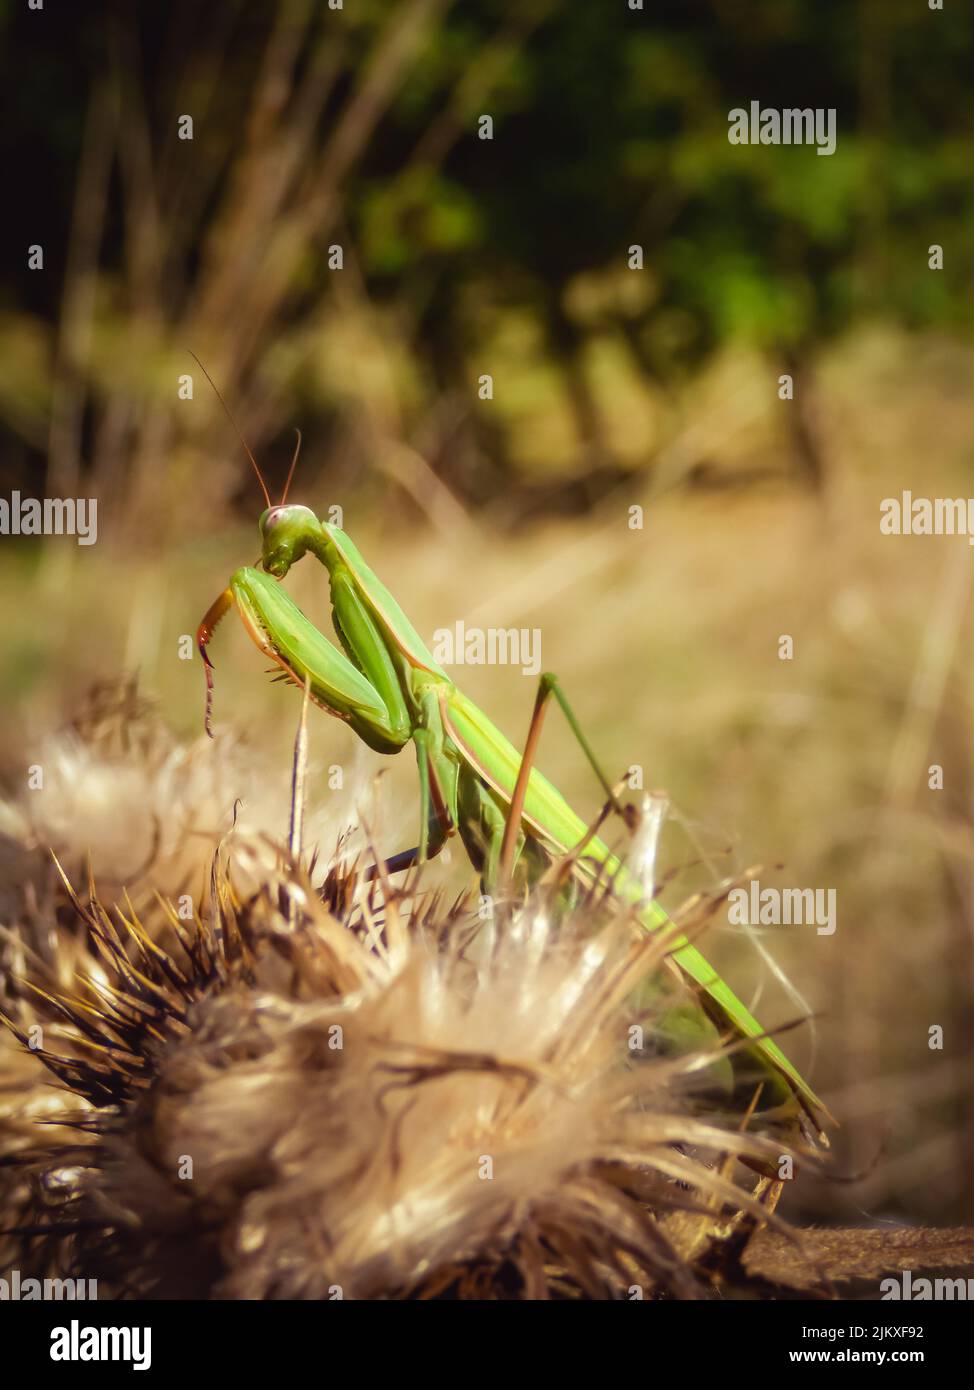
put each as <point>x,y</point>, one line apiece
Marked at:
<point>387,687</point>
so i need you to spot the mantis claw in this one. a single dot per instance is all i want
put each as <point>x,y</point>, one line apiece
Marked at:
<point>204,633</point>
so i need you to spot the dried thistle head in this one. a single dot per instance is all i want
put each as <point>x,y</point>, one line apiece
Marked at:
<point>298,1090</point>
<point>366,1100</point>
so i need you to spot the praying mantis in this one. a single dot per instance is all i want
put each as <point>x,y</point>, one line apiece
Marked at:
<point>385,684</point>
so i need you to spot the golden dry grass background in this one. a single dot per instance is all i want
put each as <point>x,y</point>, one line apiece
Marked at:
<point>667,641</point>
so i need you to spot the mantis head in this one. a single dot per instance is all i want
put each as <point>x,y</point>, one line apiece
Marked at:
<point>285,532</point>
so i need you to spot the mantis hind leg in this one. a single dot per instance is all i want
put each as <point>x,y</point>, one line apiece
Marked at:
<point>548,685</point>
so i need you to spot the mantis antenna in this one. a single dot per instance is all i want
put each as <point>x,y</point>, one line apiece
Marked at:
<point>263,485</point>
<point>290,472</point>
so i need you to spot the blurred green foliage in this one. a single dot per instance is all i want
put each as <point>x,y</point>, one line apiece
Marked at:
<point>359,127</point>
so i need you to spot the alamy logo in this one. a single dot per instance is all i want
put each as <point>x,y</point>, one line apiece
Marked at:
<point>923,1290</point>
<point>493,646</point>
<point>50,516</point>
<point>755,906</point>
<point>791,125</point>
<point>77,1343</point>
<point>17,1290</point>
<point>907,515</point>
